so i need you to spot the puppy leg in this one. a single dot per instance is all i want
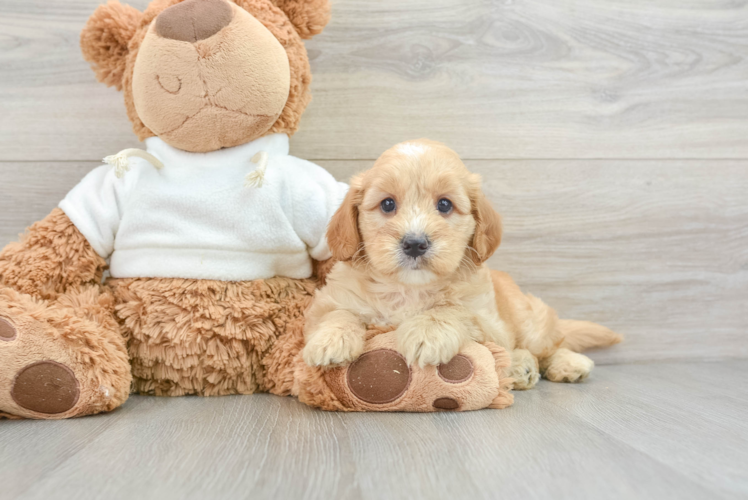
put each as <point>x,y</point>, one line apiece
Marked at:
<point>337,339</point>
<point>524,370</point>
<point>566,366</point>
<point>435,337</point>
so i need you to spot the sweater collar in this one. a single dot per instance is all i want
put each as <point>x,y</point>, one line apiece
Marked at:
<point>273,145</point>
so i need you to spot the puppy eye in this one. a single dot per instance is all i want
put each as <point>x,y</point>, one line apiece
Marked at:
<point>444,206</point>
<point>388,205</point>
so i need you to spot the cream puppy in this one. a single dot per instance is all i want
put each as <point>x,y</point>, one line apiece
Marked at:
<point>412,236</point>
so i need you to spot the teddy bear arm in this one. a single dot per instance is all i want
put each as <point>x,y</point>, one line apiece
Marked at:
<point>50,257</point>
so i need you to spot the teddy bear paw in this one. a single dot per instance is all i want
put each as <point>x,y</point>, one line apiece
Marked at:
<point>31,382</point>
<point>41,377</point>
<point>381,380</point>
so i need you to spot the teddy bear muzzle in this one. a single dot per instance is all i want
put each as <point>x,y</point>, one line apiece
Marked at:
<point>202,94</point>
<point>194,20</point>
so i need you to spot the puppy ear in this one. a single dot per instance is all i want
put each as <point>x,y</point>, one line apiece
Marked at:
<point>487,236</point>
<point>105,38</point>
<point>309,17</point>
<point>343,236</point>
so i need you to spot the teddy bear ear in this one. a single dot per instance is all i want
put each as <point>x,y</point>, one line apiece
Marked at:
<point>309,17</point>
<point>105,38</point>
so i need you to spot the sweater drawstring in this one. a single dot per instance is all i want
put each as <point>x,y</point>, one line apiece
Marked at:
<point>256,178</point>
<point>121,163</point>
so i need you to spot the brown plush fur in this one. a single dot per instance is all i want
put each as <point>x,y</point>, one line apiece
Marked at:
<point>50,258</point>
<point>113,61</point>
<point>208,337</point>
<point>105,41</point>
<point>308,16</point>
<point>503,367</point>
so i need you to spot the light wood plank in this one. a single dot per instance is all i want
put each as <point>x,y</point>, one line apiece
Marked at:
<point>676,418</point>
<point>271,447</point>
<point>513,79</point>
<point>656,250</point>
<point>31,452</point>
<point>29,191</point>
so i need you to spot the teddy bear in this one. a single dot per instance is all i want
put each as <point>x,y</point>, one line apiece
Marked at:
<point>185,268</point>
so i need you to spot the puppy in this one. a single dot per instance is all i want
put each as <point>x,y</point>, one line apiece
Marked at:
<point>411,238</point>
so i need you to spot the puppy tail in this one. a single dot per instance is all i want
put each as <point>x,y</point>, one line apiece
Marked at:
<point>582,335</point>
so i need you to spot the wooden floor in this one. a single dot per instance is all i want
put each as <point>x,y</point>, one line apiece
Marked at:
<point>664,430</point>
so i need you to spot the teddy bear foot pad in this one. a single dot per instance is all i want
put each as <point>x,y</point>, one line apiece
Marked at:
<point>46,387</point>
<point>45,372</point>
<point>43,387</point>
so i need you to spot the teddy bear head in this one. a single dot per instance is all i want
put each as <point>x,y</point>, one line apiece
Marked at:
<point>207,74</point>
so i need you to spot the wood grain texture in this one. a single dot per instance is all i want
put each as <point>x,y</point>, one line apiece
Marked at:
<point>657,250</point>
<point>631,431</point>
<point>495,79</point>
<point>698,407</point>
<point>29,191</point>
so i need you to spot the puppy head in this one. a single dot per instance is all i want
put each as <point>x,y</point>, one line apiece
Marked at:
<point>416,216</point>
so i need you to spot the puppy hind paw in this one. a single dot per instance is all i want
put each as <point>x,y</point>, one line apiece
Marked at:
<point>525,370</point>
<point>566,366</point>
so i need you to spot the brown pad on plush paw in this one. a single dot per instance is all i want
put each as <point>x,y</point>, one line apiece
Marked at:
<point>46,387</point>
<point>378,377</point>
<point>7,330</point>
<point>459,369</point>
<point>380,380</point>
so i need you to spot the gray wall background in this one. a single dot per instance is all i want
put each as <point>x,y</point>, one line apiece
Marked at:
<point>612,135</point>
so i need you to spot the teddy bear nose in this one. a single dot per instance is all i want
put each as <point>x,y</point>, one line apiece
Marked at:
<point>194,20</point>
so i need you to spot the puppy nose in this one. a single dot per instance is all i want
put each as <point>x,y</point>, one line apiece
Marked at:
<point>415,246</point>
<point>194,20</point>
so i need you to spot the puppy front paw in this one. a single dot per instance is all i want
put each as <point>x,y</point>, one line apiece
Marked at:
<point>428,344</point>
<point>333,346</point>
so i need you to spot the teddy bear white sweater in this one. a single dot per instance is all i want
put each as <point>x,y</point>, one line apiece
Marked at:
<point>196,217</point>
